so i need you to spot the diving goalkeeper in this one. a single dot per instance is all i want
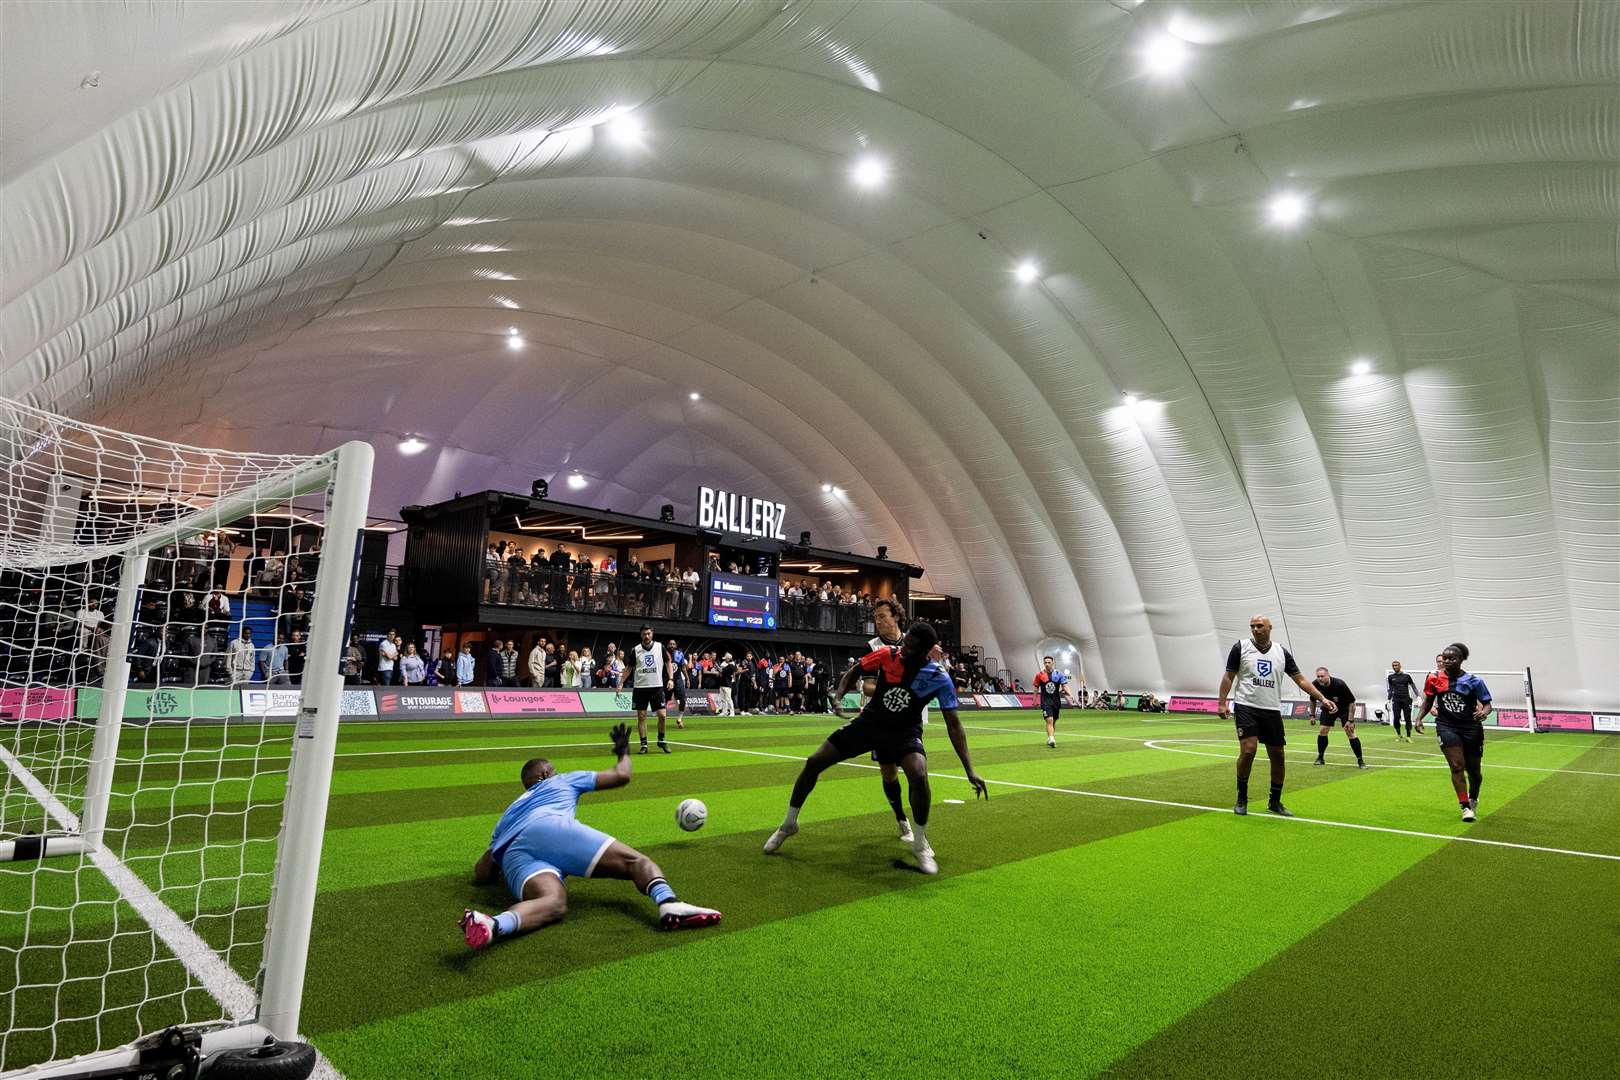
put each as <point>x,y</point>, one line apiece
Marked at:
<point>538,842</point>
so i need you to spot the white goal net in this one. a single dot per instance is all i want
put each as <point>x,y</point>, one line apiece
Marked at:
<point>159,828</point>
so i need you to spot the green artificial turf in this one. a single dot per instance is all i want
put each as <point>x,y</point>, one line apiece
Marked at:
<point>1102,913</point>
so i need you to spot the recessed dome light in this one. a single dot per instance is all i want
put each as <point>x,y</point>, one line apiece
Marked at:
<point>869,172</point>
<point>1288,208</point>
<point>1164,54</point>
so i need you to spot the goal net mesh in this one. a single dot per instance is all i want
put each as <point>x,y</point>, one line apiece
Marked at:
<point>217,553</point>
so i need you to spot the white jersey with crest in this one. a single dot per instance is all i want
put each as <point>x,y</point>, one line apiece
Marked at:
<point>1257,676</point>
<point>649,665</point>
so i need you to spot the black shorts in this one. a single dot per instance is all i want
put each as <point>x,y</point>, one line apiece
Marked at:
<point>1263,724</point>
<point>680,694</point>
<point>1472,740</point>
<point>887,745</point>
<point>1052,711</point>
<point>1327,719</point>
<point>647,697</point>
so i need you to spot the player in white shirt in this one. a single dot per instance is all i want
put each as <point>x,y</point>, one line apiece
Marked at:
<point>1254,668</point>
<point>650,684</point>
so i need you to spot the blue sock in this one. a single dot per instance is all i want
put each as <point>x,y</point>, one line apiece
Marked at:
<point>660,892</point>
<point>505,923</point>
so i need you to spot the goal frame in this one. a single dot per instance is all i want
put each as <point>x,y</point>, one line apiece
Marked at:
<point>345,474</point>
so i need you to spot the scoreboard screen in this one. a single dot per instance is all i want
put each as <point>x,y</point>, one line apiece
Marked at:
<point>742,603</point>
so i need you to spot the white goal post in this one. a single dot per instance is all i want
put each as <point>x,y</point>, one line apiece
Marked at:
<point>159,844</point>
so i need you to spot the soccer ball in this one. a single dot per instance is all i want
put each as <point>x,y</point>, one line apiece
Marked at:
<point>691,814</point>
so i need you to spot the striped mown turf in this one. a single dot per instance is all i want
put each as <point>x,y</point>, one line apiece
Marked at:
<point>1102,913</point>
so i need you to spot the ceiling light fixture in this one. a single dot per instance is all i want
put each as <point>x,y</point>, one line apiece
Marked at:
<point>626,131</point>
<point>576,481</point>
<point>1288,208</point>
<point>1131,400</point>
<point>1027,271</point>
<point>514,343</point>
<point>869,172</point>
<point>1361,366</point>
<point>411,445</point>
<point>1164,54</point>
<point>694,396</point>
<point>826,489</point>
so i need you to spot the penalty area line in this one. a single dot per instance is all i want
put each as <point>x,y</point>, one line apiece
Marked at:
<point>1197,806</point>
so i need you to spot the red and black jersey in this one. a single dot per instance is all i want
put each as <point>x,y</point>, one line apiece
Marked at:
<point>904,687</point>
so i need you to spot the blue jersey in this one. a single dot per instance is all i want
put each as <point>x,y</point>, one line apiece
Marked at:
<point>554,797</point>
<point>1454,706</point>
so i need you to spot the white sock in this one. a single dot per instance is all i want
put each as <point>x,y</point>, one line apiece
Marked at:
<point>792,816</point>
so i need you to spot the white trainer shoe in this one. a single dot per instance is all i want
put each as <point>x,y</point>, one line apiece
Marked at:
<point>905,831</point>
<point>779,837</point>
<point>925,860</point>
<point>1051,742</point>
<point>1468,813</point>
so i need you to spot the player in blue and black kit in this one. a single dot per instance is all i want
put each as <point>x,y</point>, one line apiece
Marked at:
<point>1461,702</point>
<point>538,842</point>
<point>890,727</point>
<point>1051,687</point>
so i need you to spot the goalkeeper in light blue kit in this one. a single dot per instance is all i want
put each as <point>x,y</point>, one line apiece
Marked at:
<point>538,842</point>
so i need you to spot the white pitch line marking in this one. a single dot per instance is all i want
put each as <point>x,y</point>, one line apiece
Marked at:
<point>1198,806</point>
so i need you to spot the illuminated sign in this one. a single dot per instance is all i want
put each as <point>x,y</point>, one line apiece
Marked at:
<point>747,603</point>
<point>726,511</point>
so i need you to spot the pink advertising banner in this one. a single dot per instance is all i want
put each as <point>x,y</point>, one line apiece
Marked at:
<point>532,702</point>
<point>1194,704</point>
<point>1546,721</point>
<point>35,703</point>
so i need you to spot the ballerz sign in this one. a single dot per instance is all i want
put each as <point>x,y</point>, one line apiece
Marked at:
<point>725,511</point>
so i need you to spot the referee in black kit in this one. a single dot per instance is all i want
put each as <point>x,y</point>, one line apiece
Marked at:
<point>1337,691</point>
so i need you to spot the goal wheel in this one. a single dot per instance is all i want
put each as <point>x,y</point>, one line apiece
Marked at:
<point>272,1061</point>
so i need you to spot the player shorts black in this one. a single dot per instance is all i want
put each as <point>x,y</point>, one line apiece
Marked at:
<point>1263,724</point>
<point>1052,711</point>
<point>1472,740</point>
<point>1330,719</point>
<point>647,697</point>
<point>887,745</point>
<point>680,694</point>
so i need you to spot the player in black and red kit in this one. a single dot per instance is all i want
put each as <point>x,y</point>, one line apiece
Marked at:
<point>1337,691</point>
<point>1461,702</point>
<point>1051,687</point>
<point>1400,693</point>
<point>891,726</point>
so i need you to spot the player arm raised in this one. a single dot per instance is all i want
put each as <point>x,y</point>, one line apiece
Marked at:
<point>619,775</point>
<point>953,727</point>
